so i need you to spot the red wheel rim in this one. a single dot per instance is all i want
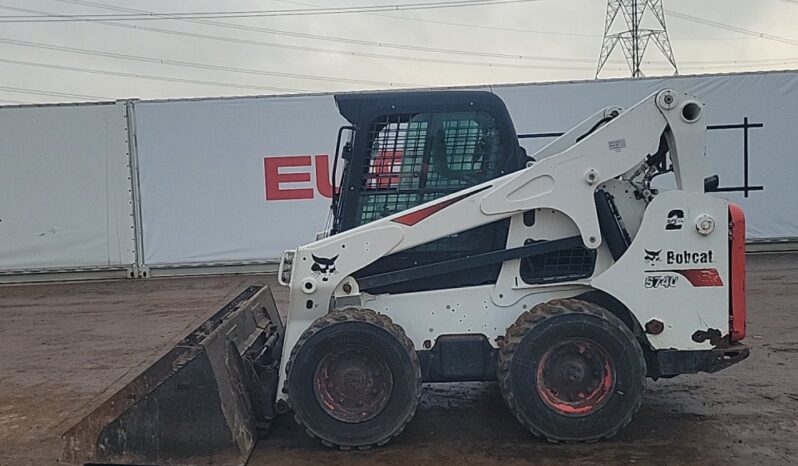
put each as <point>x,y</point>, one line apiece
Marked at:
<point>353,383</point>
<point>575,377</point>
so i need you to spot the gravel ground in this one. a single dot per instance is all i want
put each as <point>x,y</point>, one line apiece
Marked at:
<point>66,347</point>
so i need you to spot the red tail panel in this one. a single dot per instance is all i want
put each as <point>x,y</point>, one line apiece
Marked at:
<point>737,272</point>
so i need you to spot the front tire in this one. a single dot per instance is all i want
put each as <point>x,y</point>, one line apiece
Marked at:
<point>570,370</point>
<point>354,379</point>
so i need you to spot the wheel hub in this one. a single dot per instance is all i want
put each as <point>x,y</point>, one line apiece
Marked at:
<point>575,376</point>
<point>574,371</point>
<point>353,383</point>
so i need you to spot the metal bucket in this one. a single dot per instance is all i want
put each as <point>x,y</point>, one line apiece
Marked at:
<point>205,402</point>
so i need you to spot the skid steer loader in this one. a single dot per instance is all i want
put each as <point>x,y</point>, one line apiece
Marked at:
<point>569,276</point>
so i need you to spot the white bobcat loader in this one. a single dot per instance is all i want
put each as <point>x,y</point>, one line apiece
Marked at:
<point>568,276</point>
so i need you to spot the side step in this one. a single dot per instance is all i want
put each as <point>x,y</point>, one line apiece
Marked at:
<point>205,402</point>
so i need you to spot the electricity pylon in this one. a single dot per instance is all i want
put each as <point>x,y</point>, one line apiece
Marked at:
<point>634,40</point>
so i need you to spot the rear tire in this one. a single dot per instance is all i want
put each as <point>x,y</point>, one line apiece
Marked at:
<point>570,370</point>
<point>354,379</point>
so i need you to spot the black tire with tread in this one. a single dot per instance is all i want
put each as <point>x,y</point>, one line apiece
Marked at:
<point>544,422</point>
<point>413,378</point>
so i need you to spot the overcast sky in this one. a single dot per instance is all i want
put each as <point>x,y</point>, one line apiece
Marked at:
<point>543,40</point>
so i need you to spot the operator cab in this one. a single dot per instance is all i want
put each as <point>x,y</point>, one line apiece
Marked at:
<point>409,148</point>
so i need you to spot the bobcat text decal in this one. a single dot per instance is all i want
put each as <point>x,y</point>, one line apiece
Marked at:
<point>679,257</point>
<point>689,257</point>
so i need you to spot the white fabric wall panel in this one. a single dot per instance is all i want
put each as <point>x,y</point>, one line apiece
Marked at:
<point>65,191</point>
<point>204,177</point>
<point>238,180</point>
<point>205,189</point>
<point>767,101</point>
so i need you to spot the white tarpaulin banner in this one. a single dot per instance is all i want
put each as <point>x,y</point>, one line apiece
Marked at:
<point>239,180</point>
<point>65,191</point>
<point>751,137</point>
<point>234,180</point>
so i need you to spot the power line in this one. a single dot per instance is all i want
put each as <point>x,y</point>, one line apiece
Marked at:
<point>349,53</point>
<point>254,12</point>
<point>350,41</point>
<point>263,72</point>
<point>331,51</point>
<point>492,28</point>
<point>20,90</point>
<point>163,61</point>
<point>148,77</point>
<point>257,13</point>
<point>488,27</point>
<point>726,63</point>
<point>729,27</point>
<point>744,64</point>
<point>449,23</point>
<point>760,61</point>
<point>4,101</point>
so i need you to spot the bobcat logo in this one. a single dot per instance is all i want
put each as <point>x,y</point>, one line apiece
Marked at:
<point>652,257</point>
<point>323,266</point>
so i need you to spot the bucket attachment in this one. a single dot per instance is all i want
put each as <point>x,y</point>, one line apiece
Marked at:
<point>205,401</point>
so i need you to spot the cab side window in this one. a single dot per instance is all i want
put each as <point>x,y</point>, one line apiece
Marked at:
<point>416,158</point>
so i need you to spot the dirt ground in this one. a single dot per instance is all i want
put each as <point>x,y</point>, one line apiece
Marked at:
<point>66,347</point>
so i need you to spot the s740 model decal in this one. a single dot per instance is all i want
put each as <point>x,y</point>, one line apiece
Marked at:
<point>699,278</point>
<point>661,281</point>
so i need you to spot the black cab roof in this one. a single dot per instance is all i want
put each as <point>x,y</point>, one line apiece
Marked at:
<point>360,109</point>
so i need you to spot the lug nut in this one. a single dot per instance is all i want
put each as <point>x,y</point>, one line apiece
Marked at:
<point>654,327</point>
